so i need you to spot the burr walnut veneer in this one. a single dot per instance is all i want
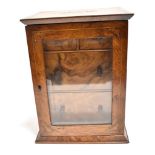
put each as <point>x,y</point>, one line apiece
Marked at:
<point>78,61</point>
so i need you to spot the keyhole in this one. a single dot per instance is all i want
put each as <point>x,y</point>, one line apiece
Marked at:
<point>39,87</point>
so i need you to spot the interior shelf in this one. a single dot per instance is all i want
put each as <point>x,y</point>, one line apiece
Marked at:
<point>80,91</point>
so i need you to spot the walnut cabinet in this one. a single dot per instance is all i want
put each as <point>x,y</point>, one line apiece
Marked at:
<point>78,61</point>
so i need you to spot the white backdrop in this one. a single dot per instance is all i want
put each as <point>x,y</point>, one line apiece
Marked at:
<point>18,120</point>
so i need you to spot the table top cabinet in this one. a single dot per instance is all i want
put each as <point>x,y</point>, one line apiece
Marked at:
<point>78,61</point>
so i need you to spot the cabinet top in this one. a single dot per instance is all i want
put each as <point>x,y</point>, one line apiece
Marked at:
<point>49,17</point>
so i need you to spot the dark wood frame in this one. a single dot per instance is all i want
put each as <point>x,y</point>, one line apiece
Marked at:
<point>114,133</point>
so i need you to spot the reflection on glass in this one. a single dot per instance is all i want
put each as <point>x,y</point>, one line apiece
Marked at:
<point>79,87</point>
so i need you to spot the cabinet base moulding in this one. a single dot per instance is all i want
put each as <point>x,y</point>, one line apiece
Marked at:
<point>103,139</point>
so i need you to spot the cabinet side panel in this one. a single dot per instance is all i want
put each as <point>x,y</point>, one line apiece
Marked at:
<point>124,42</point>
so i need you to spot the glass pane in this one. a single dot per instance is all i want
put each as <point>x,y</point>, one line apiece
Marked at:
<point>79,86</point>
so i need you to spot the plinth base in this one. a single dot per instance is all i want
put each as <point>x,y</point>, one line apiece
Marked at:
<point>83,139</point>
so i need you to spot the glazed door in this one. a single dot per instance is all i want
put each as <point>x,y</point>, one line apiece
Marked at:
<point>79,81</point>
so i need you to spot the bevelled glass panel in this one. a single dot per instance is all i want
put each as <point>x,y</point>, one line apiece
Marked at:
<point>79,85</point>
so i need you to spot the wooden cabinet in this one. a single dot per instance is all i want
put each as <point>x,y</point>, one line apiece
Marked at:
<point>78,62</point>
